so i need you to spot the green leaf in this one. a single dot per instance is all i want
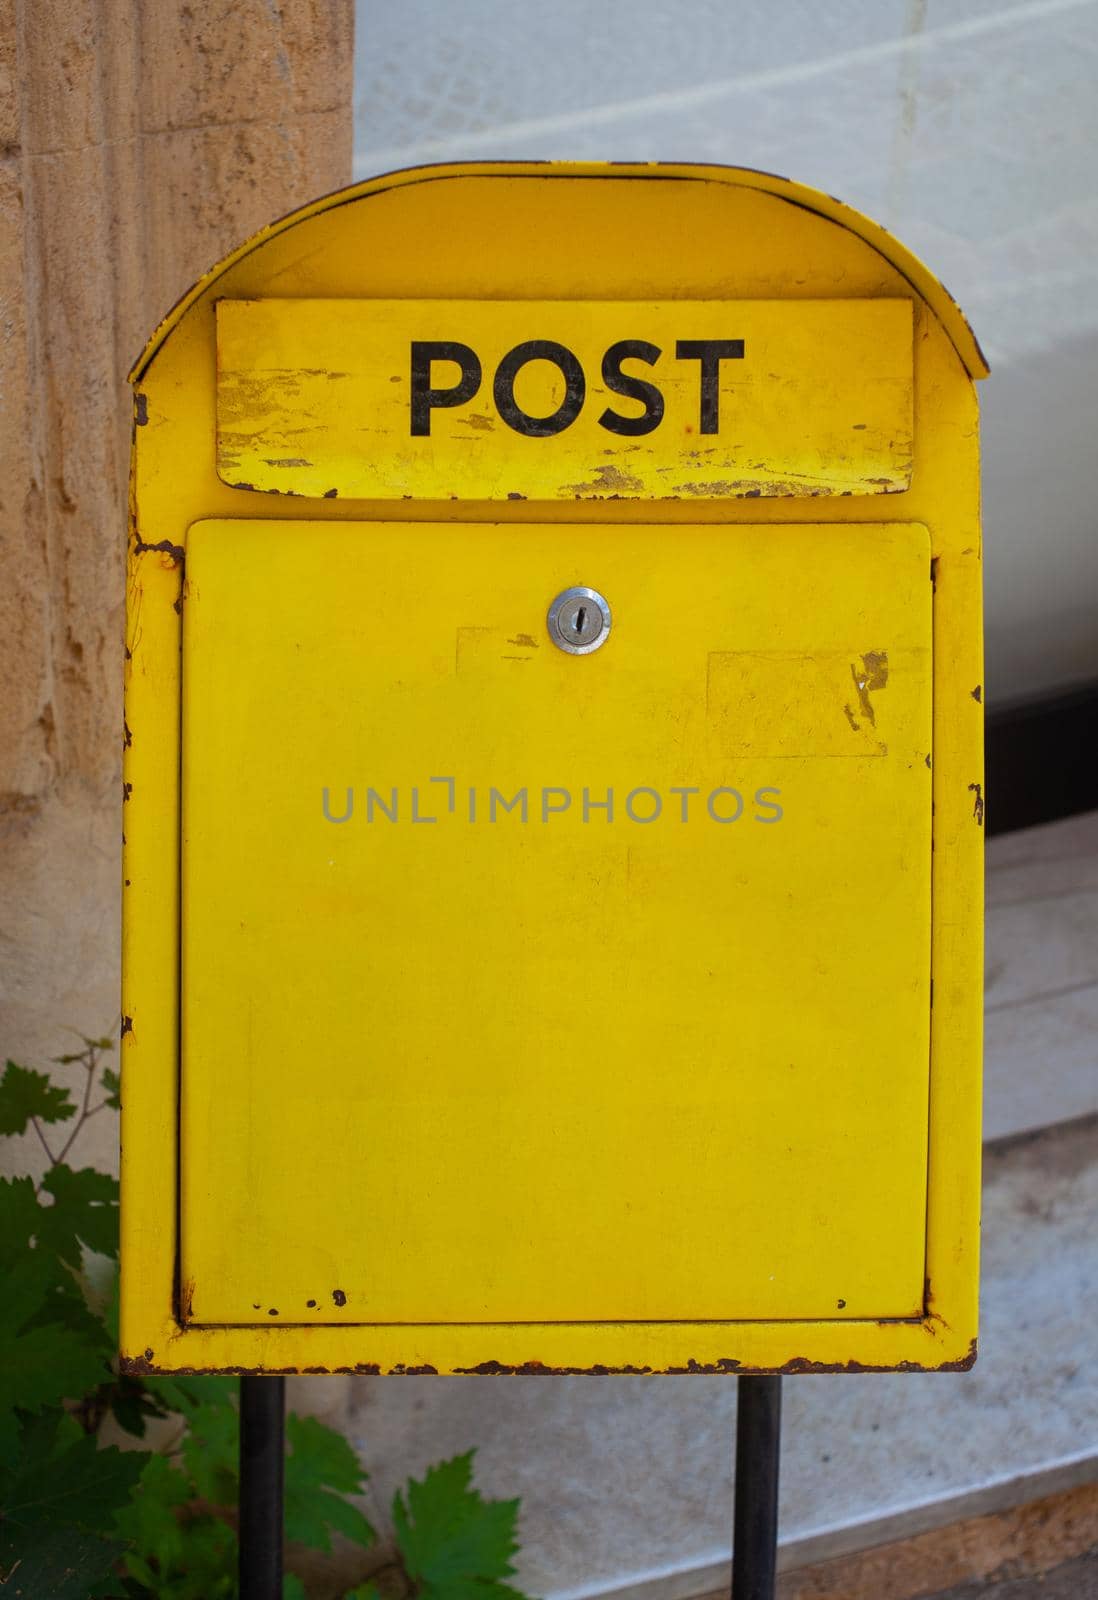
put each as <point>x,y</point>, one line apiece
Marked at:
<point>208,1570</point>
<point>364,1591</point>
<point>112,1086</point>
<point>293,1588</point>
<point>25,1093</point>
<point>150,1521</point>
<point>39,1365</point>
<point>321,1456</point>
<point>84,1212</point>
<point>63,1479</point>
<point>455,1544</point>
<point>186,1395</point>
<point>20,1214</point>
<point>320,1469</point>
<point>211,1452</point>
<point>58,1563</point>
<point>131,1404</point>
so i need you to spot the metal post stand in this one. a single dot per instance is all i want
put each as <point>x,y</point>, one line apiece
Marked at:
<point>755,1522</point>
<point>262,1449</point>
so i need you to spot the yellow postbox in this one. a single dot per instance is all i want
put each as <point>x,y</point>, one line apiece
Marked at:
<point>553,776</point>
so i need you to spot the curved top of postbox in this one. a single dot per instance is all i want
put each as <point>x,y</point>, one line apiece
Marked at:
<point>922,280</point>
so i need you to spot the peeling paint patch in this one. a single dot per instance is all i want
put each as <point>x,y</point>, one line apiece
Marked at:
<point>976,789</point>
<point>608,480</point>
<point>871,676</point>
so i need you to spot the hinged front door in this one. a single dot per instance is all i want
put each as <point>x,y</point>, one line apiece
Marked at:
<point>527,986</point>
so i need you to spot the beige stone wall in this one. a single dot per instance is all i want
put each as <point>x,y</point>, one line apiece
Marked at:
<point>139,141</point>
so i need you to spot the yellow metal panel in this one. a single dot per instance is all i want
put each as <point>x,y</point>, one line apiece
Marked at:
<point>585,1024</point>
<point>560,233</point>
<point>568,400</point>
<point>820,207</point>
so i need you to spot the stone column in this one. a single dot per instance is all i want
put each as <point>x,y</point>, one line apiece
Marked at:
<point>140,140</point>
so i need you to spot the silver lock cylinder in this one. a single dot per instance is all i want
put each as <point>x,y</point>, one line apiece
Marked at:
<point>579,621</point>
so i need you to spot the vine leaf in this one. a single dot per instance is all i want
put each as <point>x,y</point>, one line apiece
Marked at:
<point>25,1093</point>
<point>84,1212</point>
<point>456,1545</point>
<point>320,1469</point>
<point>39,1365</point>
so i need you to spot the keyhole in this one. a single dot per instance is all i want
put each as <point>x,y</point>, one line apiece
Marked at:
<point>578,621</point>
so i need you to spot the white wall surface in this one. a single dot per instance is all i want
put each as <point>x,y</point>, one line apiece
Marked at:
<point>969,129</point>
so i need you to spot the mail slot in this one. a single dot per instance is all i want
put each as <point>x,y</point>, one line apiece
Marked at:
<point>554,807</point>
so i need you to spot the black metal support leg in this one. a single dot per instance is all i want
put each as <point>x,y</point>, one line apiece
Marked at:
<point>755,1524</point>
<point>262,1450</point>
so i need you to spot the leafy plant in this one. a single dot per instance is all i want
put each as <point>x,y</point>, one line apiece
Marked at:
<point>80,1519</point>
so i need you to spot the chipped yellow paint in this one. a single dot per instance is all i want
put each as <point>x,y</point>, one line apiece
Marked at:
<point>603,1095</point>
<point>313,399</point>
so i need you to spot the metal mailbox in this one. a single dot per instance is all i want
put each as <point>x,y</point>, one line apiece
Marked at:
<point>553,777</point>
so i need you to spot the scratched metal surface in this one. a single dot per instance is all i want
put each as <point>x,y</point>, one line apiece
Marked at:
<point>966,126</point>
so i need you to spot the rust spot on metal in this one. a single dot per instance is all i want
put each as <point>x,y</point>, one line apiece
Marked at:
<point>513,494</point>
<point>928,759</point>
<point>286,461</point>
<point>538,1369</point>
<point>127,790</point>
<point>249,486</point>
<point>707,1368</point>
<point>330,494</point>
<point>310,1305</point>
<point>841,1305</point>
<point>339,1297</point>
<point>186,1300</point>
<point>934,572</point>
<point>142,1367</point>
<point>272,1311</point>
<point>978,693</point>
<point>978,803</point>
<point>402,1371</point>
<point>127,1027</point>
<point>165,546</point>
<point>140,408</point>
<point>803,1364</point>
<point>127,736</point>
